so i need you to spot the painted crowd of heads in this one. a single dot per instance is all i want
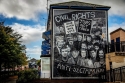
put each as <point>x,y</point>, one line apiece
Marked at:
<point>80,49</point>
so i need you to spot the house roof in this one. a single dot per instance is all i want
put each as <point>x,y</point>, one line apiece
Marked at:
<point>77,3</point>
<point>117,30</point>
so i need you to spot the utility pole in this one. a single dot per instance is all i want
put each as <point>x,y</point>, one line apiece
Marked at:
<point>47,7</point>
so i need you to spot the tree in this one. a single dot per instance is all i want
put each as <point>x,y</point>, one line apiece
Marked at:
<point>39,62</point>
<point>12,51</point>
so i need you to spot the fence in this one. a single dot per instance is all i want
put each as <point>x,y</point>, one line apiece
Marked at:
<point>117,74</point>
<point>117,47</point>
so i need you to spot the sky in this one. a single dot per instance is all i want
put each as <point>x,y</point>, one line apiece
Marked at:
<point>29,17</point>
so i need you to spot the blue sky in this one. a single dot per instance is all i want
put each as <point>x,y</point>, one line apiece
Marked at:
<point>28,18</point>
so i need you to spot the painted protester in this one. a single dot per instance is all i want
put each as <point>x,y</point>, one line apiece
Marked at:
<point>100,59</point>
<point>60,42</point>
<point>83,59</point>
<point>74,57</point>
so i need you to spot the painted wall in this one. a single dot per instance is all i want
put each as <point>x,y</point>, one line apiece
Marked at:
<point>79,38</point>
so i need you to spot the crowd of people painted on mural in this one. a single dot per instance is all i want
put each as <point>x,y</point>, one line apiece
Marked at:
<point>81,49</point>
<point>78,51</point>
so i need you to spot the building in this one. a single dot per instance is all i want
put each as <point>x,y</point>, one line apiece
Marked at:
<point>117,49</point>
<point>73,19</point>
<point>32,63</point>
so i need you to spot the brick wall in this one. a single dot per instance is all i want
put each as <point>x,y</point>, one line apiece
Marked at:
<point>115,35</point>
<point>122,35</point>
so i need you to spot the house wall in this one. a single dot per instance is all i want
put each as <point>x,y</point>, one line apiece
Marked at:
<point>122,35</point>
<point>117,61</point>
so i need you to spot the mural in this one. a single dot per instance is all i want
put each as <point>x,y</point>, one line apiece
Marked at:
<point>79,39</point>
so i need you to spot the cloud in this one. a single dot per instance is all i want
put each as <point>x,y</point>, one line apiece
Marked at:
<point>31,9</point>
<point>34,52</point>
<point>117,6</point>
<point>114,27</point>
<point>29,33</point>
<point>22,9</point>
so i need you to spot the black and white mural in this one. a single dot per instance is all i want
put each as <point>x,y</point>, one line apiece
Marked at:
<point>79,38</point>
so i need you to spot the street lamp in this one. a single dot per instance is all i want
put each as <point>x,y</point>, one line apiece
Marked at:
<point>110,65</point>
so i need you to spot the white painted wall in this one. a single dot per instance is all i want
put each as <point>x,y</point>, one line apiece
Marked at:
<point>45,64</point>
<point>116,65</point>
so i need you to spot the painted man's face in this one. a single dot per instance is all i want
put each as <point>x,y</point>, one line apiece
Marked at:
<point>64,52</point>
<point>93,54</point>
<point>83,46</point>
<point>79,38</point>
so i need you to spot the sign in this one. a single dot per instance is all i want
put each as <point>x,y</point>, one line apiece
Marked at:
<point>46,35</point>
<point>78,44</point>
<point>45,42</point>
<point>45,52</point>
<point>84,26</point>
<point>70,27</point>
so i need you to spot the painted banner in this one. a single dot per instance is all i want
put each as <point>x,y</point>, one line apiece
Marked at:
<point>79,38</point>
<point>84,26</point>
<point>70,27</point>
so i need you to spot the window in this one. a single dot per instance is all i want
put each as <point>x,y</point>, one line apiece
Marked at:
<point>112,46</point>
<point>45,64</point>
<point>118,44</point>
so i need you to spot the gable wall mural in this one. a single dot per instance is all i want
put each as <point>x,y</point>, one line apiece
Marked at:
<point>79,38</point>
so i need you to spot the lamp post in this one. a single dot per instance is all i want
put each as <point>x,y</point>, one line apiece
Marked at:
<point>110,65</point>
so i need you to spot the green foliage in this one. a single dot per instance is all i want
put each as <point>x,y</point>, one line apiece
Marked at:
<point>12,51</point>
<point>27,75</point>
<point>39,62</point>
